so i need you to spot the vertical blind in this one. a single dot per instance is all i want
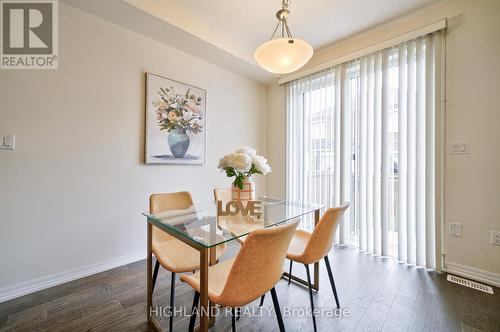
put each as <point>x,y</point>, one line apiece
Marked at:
<point>364,132</point>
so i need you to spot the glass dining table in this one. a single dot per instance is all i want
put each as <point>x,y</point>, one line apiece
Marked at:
<point>206,225</point>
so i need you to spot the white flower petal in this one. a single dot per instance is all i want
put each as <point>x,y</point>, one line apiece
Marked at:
<point>246,149</point>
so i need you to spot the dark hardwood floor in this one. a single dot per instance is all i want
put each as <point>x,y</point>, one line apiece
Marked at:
<point>375,294</point>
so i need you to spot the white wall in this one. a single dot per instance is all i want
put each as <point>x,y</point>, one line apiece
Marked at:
<point>72,193</point>
<point>276,132</point>
<point>472,182</point>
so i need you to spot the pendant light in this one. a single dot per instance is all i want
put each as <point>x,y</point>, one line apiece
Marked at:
<point>286,54</point>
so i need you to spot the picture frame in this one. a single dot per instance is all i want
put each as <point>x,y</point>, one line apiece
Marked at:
<point>175,122</point>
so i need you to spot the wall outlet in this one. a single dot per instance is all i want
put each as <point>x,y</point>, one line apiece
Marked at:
<point>495,238</point>
<point>455,229</point>
<point>459,148</point>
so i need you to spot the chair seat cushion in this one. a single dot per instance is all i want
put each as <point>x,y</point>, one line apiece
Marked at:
<point>298,245</point>
<point>217,277</point>
<point>176,256</point>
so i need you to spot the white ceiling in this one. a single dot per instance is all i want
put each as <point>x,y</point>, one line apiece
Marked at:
<point>320,22</point>
<point>227,32</point>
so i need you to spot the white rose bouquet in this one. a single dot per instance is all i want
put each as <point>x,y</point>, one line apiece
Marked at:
<point>243,163</point>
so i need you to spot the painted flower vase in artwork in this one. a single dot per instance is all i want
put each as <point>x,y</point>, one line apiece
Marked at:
<point>245,194</point>
<point>178,141</point>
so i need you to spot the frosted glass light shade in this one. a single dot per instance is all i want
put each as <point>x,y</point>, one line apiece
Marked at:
<point>283,55</point>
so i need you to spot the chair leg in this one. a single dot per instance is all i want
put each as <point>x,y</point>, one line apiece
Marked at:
<point>172,297</point>
<point>262,300</point>
<point>238,313</point>
<point>155,274</point>
<point>277,310</point>
<point>332,282</point>
<point>290,273</point>
<point>311,295</point>
<point>233,319</point>
<point>192,320</point>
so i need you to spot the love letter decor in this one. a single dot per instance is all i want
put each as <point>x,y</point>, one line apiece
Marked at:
<point>234,208</point>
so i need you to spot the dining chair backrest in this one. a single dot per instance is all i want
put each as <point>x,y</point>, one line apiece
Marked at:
<point>258,266</point>
<point>321,240</point>
<point>222,194</point>
<point>167,202</point>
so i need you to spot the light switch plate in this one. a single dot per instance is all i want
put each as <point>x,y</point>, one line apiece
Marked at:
<point>459,148</point>
<point>7,142</point>
<point>495,238</point>
<point>455,229</point>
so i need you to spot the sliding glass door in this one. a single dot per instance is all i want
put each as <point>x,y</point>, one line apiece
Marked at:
<point>364,132</point>
<point>312,140</point>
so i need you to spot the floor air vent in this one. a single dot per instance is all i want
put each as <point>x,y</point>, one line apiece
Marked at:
<point>470,284</point>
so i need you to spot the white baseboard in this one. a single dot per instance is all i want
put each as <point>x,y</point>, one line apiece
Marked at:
<point>31,286</point>
<point>487,277</point>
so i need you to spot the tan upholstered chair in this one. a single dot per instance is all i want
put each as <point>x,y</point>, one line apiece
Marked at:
<point>253,272</point>
<point>309,248</point>
<point>174,255</point>
<point>222,194</point>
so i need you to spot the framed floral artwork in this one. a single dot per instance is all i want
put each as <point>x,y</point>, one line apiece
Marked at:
<point>175,122</point>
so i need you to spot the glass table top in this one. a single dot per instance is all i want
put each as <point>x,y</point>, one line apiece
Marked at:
<point>201,225</point>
